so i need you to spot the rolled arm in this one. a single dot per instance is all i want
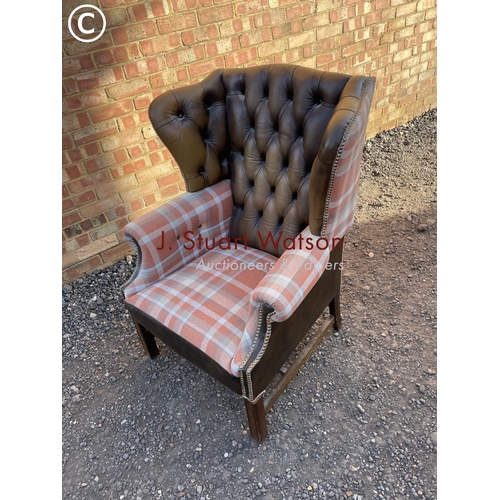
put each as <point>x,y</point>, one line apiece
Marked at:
<point>173,235</point>
<point>283,288</point>
<point>293,276</point>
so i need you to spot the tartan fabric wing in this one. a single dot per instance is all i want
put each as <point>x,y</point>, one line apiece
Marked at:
<point>341,199</point>
<point>206,301</point>
<point>167,237</point>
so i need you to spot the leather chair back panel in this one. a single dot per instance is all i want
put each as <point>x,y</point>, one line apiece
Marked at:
<point>276,118</point>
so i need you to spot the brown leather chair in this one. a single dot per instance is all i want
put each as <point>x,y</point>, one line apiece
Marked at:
<point>233,273</point>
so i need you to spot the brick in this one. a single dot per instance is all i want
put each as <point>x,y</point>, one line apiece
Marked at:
<point>106,189</point>
<point>401,55</point>
<point>255,37</point>
<point>353,49</point>
<point>302,39</point>
<point>150,173</point>
<point>144,67</point>
<point>108,231</point>
<point>129,168</point>
<point>395,24</point>
<point>121,140</point>
<point>215,14</point>
<point>424,75</point>
<point>415,18</point>
<point>425,4</point>
<point>148,10</point>
<point>100,206</point>
<point>205,67</point>
<point>354,23</point>
<point>76,65</point>
<point>399,76</point>
<point>94,132</point>
<point>271,18</point>
<point>91,181</point>
<point>248,7</point>
<point>98,79</point>
<point>328,5</point>
<point>160,45</point>
<point>419,68</point>
<point>139,191</point>
<point>241,57</point>
<point>373,18</point>
<point>84,101</point>
<point>174,177</point>
<point>117,55</point>
<point>89,251</point>
<point>185,56</point>
<point>101,162</point>
<point>234,26</point>
<point>71,219</point>
<point>74,121</point>
<point>173,24</point>
<point>73,272</point>
<point>111,111</point>
<point>431,13</point>
<point>134,32</point>
<point>73,172</point>
<point>273,47</point>
<point>183,5</point>
<point>406,9</point>
<point>128,89</point>
<point>198,35</point>
<point>165,79</point>
<point>116,253</point>
<point>170,192</point>
<point>329,31</point>
<point>404,33</point>
<point>301,10</point>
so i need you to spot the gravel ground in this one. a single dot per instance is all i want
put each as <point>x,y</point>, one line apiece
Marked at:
<point>358,421</point>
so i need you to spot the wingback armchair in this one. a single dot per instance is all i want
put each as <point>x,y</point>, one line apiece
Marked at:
<point>233,273</point>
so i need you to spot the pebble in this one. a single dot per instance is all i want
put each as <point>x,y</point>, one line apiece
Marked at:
<point>434,438</point>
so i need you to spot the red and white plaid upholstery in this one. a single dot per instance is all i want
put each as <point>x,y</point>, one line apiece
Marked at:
<point>343,189</point>
<point>206,213</point>
<point>206,301</point>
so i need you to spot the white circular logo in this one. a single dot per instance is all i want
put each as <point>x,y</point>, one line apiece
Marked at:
<point>83,30</point>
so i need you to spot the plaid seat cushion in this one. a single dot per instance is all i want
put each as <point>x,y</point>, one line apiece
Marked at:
<point>207,301</point>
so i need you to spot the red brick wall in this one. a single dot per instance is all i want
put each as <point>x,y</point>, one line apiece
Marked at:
<point>114,167</point>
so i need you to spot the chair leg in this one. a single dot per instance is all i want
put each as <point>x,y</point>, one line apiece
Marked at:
<point>335,311</point>
<point>257,419</point>
<point>148,341</point>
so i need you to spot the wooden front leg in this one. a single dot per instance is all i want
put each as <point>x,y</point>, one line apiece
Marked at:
<point>257,419</point>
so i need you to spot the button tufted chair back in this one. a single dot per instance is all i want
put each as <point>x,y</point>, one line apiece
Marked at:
<point>276,131</point>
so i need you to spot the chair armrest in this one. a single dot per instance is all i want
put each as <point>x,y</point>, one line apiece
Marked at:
<point>294,274</point>
<point>167,238</point>
<point>283,288</point>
